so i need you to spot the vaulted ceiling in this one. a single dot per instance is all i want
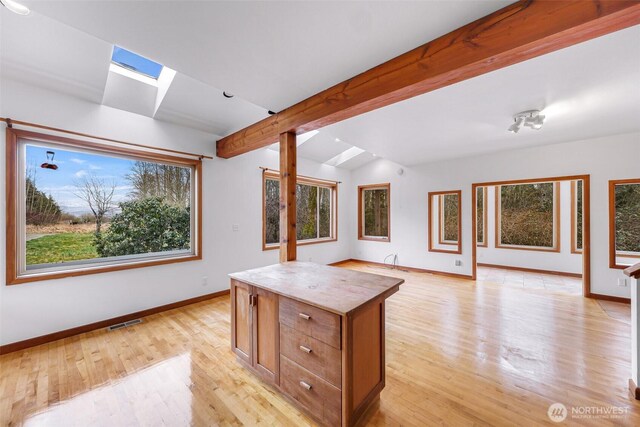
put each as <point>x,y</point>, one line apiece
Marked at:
<point>271,55</point>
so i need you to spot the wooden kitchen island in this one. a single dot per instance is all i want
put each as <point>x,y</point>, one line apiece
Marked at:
<point>315,333</point>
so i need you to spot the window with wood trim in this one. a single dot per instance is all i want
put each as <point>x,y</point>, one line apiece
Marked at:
<point>374,202</point>
<point>481,216</point>
<point>624,223</point>
<point>316,210</point>
<point>444,221</point>
<point>528,216</point>
<point>577,209</point>
<point>82,207</point>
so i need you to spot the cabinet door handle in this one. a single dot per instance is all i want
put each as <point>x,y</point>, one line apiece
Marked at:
<point>305,349</point>
<point>253,299</point>
<point>304,316</point>
<point>305,385</point>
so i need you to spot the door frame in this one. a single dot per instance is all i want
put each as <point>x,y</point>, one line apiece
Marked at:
<point>586,222</point>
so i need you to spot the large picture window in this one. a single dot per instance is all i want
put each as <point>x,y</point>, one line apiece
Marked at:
<point>527,216</point>
<point>83,208</point>
<point>374,212</point>
<point>624,223</point>
<point>316,210</point>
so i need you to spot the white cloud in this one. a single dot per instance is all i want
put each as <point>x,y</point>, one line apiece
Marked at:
<point>94,167</point>
<point>80,173</point>
<point>78,161</point>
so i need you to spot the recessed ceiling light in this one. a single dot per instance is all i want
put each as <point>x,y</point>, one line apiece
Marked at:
<point>530,118</point>
<point>15,7</point>
<point>227,95</point>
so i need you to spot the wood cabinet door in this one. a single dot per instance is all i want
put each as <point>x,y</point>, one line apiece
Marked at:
<point>266,335</point>
<point>241,320</point>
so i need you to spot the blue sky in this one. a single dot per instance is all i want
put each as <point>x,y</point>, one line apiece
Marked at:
<point>72,166</point>
<point>137,62</point>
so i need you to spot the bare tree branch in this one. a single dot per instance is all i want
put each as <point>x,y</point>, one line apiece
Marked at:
<point>98,194</point>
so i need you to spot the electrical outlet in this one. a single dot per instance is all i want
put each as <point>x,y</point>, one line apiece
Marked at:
<point>235,227</point>
<point>622,283</point>
<point>458,263</point>
<point>205,281</point>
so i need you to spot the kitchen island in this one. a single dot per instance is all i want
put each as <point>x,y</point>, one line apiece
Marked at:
<point>315,333</point>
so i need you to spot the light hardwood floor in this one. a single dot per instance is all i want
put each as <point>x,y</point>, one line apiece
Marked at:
<point>530,280</point>
<point>458,353</point>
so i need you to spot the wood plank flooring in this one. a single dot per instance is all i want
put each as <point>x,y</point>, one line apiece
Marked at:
<point>458,353</point>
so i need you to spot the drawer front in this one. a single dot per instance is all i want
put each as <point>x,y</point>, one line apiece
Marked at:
<point>312,354</point>
<point>317,396</point>
<point>317,323</point>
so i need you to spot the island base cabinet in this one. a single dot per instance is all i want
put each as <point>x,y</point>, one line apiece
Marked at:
<point>292,329</point>
<point>255,329</point>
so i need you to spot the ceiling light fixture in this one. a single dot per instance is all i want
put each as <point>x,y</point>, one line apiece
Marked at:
<point>227,95</point>
<point>15,7</point>
<point>530,118</point>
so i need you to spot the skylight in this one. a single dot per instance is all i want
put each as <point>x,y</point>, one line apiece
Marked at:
<point>134,62</point>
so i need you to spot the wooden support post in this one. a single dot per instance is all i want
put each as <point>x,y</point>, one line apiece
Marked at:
<point>288,178</point>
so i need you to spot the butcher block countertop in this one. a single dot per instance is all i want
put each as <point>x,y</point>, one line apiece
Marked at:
<point>334,289</point>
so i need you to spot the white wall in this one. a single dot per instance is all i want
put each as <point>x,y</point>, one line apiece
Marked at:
<point>563,261</point>
<point>232,195</point>
<point>613,157</point>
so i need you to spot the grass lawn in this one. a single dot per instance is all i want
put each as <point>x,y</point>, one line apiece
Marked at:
<point>61,248</point>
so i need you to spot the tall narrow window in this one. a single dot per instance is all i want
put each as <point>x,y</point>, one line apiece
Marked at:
<point>83,208</point>
<point>527,216</point>
<point>316,206</point>
<point>624,223</point>
<point>576,216</point>
<point>481,216</point>
<point>448,209</point>
<point>444,221</point>
<point>373,212</point>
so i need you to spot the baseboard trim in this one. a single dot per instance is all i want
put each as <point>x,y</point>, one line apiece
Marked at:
<point>413,269</point>
<point>634,390</point>
<point>43,339</point>
<point>530,270</point>
<point>344,261</point>
<point>609,298</point>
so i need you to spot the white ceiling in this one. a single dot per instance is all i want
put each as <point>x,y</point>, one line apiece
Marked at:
<point>41,51</point>
<point>273,54</point>
<point>586,91</point>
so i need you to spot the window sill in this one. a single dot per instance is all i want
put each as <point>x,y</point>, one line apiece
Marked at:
<point>375,239</point>
<point>447,251</point>
<point>298,243</point>
<point>36,277</point>
<point>528,248</point>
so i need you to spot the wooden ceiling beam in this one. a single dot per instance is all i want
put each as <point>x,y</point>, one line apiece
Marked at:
<point>516,33</point>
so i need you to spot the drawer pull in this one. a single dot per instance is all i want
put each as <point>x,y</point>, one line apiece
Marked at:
<point>304,316</point>
<point>305,349</point>
<point>305,385</point>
